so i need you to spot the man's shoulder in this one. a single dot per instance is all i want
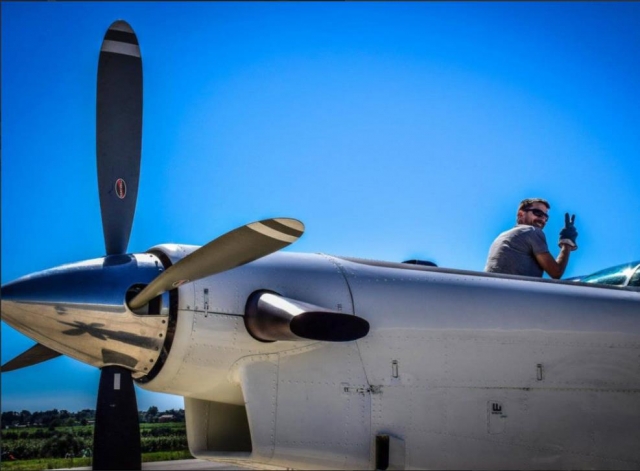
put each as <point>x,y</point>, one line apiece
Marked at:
<point>522,229</point>
<point>527,228</point>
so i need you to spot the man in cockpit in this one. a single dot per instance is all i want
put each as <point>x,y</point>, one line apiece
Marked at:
<point>523,249</point>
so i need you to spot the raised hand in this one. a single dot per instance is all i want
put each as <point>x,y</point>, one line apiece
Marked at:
<point>569,234</point>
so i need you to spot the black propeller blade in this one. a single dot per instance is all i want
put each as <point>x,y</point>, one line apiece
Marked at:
<point>118,133</point>
<point>116,436</point>
<point>119,143</point>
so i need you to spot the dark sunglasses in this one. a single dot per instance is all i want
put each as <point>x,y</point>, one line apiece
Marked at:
<point>538,212</point>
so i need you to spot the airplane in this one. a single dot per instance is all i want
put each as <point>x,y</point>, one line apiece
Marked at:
<point>315,361</point>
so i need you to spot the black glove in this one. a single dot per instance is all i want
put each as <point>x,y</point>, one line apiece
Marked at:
<point>569,234</point>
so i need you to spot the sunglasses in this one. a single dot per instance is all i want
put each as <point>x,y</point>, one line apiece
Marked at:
<point>538,212</point>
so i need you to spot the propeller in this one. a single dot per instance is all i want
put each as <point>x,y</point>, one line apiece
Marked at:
<point>88,291</point>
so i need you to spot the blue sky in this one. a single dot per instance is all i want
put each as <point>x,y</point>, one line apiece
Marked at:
<point>392,130</point>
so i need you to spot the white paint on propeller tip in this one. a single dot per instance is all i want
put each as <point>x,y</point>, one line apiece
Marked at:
<point>121,25</point>
<point>292,223</point>
<point>120,39</point>
<point>273,233</point>
<point>116,381</point>
<point>117,47</point>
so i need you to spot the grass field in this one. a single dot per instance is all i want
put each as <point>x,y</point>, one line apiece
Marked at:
<point>40,448</point>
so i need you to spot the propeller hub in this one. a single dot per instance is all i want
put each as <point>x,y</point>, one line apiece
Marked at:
<point>81,310</point>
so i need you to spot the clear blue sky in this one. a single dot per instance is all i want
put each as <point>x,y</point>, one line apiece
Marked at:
<point>392,130</point>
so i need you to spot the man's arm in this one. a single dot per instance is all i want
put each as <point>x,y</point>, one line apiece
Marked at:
<point>555,268</point>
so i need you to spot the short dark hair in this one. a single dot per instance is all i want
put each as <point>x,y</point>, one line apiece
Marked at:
<point>524,204</point>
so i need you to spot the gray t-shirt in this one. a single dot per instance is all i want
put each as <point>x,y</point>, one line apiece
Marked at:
<point>513,251</point>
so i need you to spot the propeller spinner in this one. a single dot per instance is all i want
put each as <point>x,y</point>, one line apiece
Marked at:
<point>83,310</point>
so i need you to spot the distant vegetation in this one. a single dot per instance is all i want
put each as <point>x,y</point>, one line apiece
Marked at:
<point>68,435</point>
<point>56,418</point>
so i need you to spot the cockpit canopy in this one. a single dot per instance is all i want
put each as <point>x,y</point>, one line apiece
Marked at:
<point>626,274</point>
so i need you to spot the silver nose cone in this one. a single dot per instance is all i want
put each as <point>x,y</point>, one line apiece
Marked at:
<point>80,310</point>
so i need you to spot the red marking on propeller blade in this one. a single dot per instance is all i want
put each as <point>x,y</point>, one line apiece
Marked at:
<point>121,188</point>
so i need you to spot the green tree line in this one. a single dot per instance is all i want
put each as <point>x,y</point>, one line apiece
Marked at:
<point>61,418</point>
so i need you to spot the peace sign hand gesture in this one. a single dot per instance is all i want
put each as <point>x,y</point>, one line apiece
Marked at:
<point>569,233</point>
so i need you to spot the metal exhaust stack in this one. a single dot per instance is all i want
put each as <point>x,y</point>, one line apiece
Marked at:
<point>270,317</point>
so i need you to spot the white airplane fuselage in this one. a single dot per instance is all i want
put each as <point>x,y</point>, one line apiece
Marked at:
<point>459,369</point>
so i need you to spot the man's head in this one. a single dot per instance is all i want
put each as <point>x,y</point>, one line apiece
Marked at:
<point>533,212</point>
